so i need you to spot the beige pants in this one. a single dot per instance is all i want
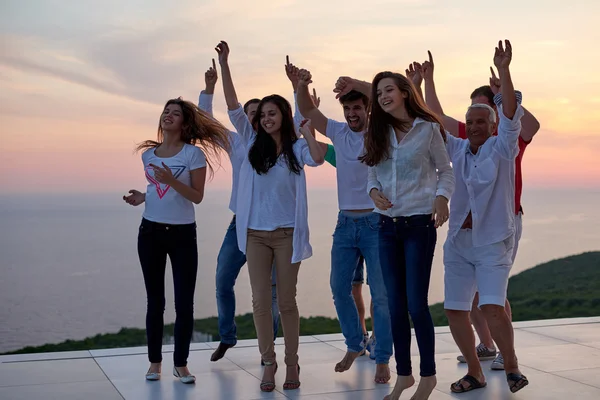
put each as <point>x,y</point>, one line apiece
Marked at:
<point>262,249</point>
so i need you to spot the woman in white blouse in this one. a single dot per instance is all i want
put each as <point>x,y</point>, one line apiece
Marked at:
<point>410,182</point>
<point>272,216</point>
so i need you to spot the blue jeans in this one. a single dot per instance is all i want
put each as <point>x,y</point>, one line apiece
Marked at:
<point>357,235</point>
<point>406,247</point>
<point>229,263</point>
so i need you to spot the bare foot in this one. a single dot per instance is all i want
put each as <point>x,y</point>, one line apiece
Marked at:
<point>382,373</point>
<point>347,361</point>
<point>426,386</point>
<point>403,382</point>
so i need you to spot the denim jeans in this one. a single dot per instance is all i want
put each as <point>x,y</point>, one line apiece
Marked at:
<point>155,242</point>
<point>356,235</point>
<point>229,263</point>
<point>406,247</point>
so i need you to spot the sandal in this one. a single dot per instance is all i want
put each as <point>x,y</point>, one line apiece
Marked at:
<point>292,385</point>
<point>459,387</point>
<point>268,386</point>
<point>516,382</point>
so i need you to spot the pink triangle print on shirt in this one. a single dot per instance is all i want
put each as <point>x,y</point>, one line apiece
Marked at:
<point>161,188</point>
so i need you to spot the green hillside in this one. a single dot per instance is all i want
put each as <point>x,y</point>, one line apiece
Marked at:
<point>564,288</point>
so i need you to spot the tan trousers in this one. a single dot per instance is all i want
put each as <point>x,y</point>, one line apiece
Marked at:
<point>262,249</point>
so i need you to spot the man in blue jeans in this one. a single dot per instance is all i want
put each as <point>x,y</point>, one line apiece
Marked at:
<point>356,232</point>
<point>231,260</point>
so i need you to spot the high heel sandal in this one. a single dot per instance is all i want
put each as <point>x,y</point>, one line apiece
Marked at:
<point>269,386</point>
<point>292,385</point>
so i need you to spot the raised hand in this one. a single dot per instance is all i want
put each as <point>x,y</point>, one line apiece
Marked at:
<point>427,68</point>
<point>304,77</point>
<point>305,128</point>
<point>135,198</point>
<point>163,175</point>
<point>316,100</point>
<point>415,73</point>
<point>343,85</point>
<point>494,82</point>
<point>292,72</point>
<point>380,200</point>
<point>210,76</point>
<point>503,56</point>
<point>223,51</point>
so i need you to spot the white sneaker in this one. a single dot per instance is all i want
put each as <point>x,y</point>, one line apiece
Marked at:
<point>483,353</point>
<point>498,363</point>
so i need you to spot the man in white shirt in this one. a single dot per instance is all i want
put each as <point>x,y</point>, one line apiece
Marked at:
<point>356,232</point>
<point>478,250</point>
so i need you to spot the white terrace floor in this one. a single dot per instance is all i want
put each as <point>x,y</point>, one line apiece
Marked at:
<point>561,358</point>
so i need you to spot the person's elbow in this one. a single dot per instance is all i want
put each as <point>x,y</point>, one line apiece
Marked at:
<point>198,198</point>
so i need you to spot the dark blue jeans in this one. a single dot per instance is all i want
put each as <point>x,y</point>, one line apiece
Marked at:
<point>406,246</point>
<point>155,242</point>
<point>229,263</point>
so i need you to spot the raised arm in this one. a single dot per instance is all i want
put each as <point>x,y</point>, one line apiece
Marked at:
<point>305,104</point>
<point>205,100</point>
<point>510,112</point>
<point>431,98</point>
<point>236,112</point>
<point>502,59</point>
<point>529,124</point>
<point>345,84</point>
<point>230,96</point>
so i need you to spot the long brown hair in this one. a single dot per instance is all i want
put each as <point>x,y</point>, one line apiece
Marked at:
<point>263,154</point>
<point>377,138</point>
<point>198,128</point>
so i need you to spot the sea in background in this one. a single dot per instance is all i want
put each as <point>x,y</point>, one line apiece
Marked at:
<point>69,266</point>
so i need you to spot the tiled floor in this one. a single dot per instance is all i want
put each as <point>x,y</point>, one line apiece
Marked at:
<point>561,358</point>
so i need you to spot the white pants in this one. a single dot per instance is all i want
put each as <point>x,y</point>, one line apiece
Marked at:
<point>469,269</point>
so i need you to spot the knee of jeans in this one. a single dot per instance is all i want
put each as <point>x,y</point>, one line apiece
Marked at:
<point>156,306</point>
<point>184,307</point>
<point>340,289</point>
<point>417,309</point>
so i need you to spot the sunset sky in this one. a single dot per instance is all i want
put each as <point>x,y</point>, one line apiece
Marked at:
<point>83,81</point>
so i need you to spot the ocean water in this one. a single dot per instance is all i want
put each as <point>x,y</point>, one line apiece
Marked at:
<point>69,266</point>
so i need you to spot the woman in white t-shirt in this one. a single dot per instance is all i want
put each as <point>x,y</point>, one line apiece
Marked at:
<point>272,216</point>
<point>410,180</point>
<point>176,172</point>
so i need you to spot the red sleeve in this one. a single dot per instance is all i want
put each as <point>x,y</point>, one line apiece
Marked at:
<point>462,130</point>
<point>522,145</point>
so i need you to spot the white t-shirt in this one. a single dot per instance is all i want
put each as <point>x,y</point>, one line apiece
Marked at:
<point>351,173</point>
<point>273,198</point>
<point>163,203</point>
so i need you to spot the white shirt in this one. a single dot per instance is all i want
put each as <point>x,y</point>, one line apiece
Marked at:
<point>408,179</point>
<point>301,245</point>
<point>351,173</point>
<point>164,204</point>
<point>485,183</point>
<point>273,197</point>
<point>238,151</point>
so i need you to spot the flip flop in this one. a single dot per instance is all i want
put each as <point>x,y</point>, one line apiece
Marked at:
<point>516,382</point>
<point>459,387</point>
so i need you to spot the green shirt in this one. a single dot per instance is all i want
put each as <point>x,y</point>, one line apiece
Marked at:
<point>330,155</point>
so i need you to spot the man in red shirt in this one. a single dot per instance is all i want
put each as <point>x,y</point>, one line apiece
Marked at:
<point>490,95</point>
